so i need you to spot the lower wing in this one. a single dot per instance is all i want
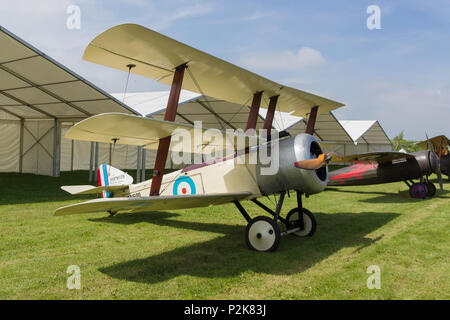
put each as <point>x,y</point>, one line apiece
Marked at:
<point>151,203</point>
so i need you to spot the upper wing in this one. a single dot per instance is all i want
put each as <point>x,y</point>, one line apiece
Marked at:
<point>133,130</point>
<point>156,56</point>
<point>376,157</point>
<point>436,142</point>
<point>151,203</point>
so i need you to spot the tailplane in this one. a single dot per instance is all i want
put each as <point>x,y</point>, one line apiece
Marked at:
<point>110,176</point>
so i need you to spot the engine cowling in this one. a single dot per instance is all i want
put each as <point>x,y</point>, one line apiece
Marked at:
<point>288,177</point>
<point>428,161</point>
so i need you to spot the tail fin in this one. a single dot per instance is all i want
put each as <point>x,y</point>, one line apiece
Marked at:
<point>110,176</point>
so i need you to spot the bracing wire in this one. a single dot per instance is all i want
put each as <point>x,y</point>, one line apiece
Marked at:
<point>203,94</point>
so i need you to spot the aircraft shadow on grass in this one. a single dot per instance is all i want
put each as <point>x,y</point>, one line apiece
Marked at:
<point>228,255</point>
<point>390,197</point>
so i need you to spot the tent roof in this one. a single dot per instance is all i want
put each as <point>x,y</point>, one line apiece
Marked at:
<point>192,107</point>
<point>366,131</point>
<point>327,128</point>
<point>34,86</point>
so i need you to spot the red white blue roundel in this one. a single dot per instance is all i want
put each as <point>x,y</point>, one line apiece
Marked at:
<point>183,186</point>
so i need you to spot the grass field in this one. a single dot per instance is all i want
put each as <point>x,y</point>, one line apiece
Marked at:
<point>201,253</point>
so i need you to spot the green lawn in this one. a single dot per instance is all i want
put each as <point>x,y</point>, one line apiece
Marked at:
<point>201,253</point>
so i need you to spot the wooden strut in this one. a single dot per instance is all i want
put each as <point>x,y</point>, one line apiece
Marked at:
<point>164,143</point>
<point>270,114</point>
<point>254,111</point>
<point>312,120</point>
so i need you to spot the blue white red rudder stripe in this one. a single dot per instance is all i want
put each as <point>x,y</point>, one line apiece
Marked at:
<point>110,176</point>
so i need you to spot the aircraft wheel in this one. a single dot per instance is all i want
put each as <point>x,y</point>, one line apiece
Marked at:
<point>262,234</point>
<point>111,213</point>
<point>418,191</point>
<point>309,222</point>
<point>431,189</point>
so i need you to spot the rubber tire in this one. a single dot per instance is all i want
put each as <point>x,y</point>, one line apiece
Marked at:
<point>308,219</point>
<point>269,231</point>
<point>418,191</point>
<point>431,190</point>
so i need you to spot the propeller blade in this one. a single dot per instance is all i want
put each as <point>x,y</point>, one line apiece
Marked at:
<point>317,163</point>
<point>441,185</point>
<point>311,164</point>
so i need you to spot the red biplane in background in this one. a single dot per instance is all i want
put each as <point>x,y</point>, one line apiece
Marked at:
<point>386,167</point>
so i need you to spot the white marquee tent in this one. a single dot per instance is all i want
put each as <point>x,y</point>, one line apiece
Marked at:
<point>368,135</point>
<point>39,100</point>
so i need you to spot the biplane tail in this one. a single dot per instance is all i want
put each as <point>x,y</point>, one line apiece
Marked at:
<point>110,180</point>
<point>110,176</point>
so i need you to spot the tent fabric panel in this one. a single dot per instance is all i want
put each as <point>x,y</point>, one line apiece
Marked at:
<point>9,146</point>
<point>9,81</point>
<point>37,157</point>
<point>100,106</point>
<point>12,49</point>
<point>39,70</point>
<point>60,110</point>
<point>32,95</point>
<point>6,101</point>
<point>74,91</point>
<point>25,112</point>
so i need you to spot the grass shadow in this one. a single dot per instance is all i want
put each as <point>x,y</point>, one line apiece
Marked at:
<point>227,255</point>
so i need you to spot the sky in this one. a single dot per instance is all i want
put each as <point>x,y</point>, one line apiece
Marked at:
<point>397,74</point>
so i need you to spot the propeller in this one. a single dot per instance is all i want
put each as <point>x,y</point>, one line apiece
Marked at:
<point>438,173</point>
<point>314,164</point>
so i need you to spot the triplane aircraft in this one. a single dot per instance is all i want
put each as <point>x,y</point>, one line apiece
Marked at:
<point>302,165</point>
<point>386,167</point>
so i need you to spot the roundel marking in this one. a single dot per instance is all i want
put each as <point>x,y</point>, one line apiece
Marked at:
<point>184,185</point>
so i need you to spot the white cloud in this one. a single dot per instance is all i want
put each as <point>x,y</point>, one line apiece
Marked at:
<point>284,60</point>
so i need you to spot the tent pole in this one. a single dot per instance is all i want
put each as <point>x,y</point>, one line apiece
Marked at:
<point>96,161</point>
<point>144,155</point>
<point>91,163</point>
<point>22,124</point>
<point>138,164</point>
<point>56,148</point>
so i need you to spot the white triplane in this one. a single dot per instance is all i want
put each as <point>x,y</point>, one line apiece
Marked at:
<point>297,162</point>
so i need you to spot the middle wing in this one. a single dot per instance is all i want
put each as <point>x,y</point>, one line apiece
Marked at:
<point>133,130</point>
<point>376,157</point>
<point>140,204</point>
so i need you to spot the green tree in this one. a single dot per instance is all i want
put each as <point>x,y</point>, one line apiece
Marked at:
<point>399,142</point>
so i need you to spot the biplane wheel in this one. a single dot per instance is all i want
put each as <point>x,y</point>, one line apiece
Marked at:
<point>431,189</point>
<point>309,222</point>
<point>418,191</point>
<point>111,213</point>
<point>262,234</point>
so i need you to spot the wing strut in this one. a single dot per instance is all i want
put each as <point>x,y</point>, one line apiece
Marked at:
<point>164,143</point>
<point>270,114</point>
<point>312,120</point>
<point>254,111</point>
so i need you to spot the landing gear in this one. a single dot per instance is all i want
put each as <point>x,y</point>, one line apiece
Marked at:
<point>431,189</point>
<point>418,190</point>
<point>421,189</point>
<point>309,222</point>
<point>263,233</point>
<point>111,212</point>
